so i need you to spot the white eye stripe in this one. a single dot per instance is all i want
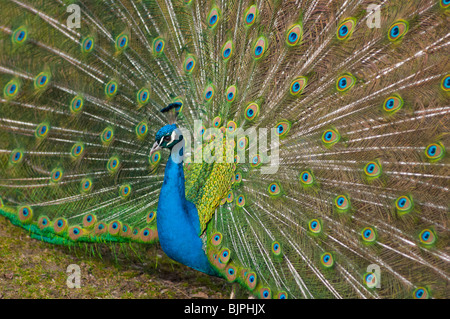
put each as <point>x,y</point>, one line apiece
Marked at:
<point>172,138</point>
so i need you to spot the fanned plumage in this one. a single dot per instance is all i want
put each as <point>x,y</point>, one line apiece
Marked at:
<point>361,114</point>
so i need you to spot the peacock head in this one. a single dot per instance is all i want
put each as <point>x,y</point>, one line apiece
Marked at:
<point>169,135</point>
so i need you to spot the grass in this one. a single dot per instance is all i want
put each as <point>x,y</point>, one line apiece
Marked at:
<point>33,269</point>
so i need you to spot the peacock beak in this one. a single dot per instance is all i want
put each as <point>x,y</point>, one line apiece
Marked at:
<point>155,148</point>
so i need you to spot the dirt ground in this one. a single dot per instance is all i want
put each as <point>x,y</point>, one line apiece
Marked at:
<point>33,269</point>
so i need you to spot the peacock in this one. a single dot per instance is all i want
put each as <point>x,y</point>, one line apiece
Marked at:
<point>295,148</point>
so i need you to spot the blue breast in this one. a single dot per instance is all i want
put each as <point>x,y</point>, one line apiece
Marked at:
<point>178,223</point>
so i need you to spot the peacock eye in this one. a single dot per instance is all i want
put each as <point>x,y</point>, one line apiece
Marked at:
<point>167,138</point>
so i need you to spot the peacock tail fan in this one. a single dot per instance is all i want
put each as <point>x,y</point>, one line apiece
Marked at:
<point>354,95</point>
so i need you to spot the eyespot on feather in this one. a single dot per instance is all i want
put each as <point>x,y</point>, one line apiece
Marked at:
<point>60,225</point>
<point>11,89</point>
<point>76,232</point>
<point>151,216</point>
<point>111,89</point>
<point>250,280</point>
<point>315,226</point>
<point>87,45</point>
<point>327,260</point>
<point>143,96</point>
<point>306,178</point>
<point>345,82</point>
<point>42,130</point>
<point>125,231</point>
<point>147,234</point>
<point>216,239</point>
<point>276,248</point>
<point>345,28</point>
<point>208,94</point>
<point>274,189</point>
<point>369,235</point>
<point>122,42</point>
<point>224,256</point>
<point>125,191</point>
<point>238,177</point>
<point>404,204</point>
<point>180,103</point>
<point>252,111</point>
<point>240,201</point>
<point>297,85</point>
<point>445,83</point>
<point>44,222</point>
<point>142,129</point>
<point>227,50</point>
<point>259,48</point>
<point>155,158</point>
<point>231,272</point>
<point>42,80</point>
<point>282,128</point>
<point>230,196</point>
<point>393,103</point>
<point>113,164</point>
<point>421,292</point>
<point>231,127</point>
<point>294,35</point>
<point>76,105</point>
<point>342,203</point>
<point>189,64</point>
<point>371,280</point>
<point>89,220</point>
<point>16,156</point>
<point>242,143</point>
<point>86,185</point>
<point>435,151</point>
<point>397,30</point>
<point>77,150</point>
<point>107,135</point>
<point>282,295</point>
<point>250,15</point>
<point>330,137</point>
<point>373,169</point>
<point>230,94</point>
<point>213,18</point>
<point>25,214</point>
<point>19,35</point>
<point>256,161</point>
<point>56,175</point>
<point>158,46</point>
<point>265,293</point>
<point>135,233</point>
<point>427,237</point>
<point>101,228</point>
<point>217,121</point>
<point>114,227</point>
<point>201,131</point>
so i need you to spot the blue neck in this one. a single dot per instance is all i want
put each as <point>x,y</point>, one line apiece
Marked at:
<point>177,221</point>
